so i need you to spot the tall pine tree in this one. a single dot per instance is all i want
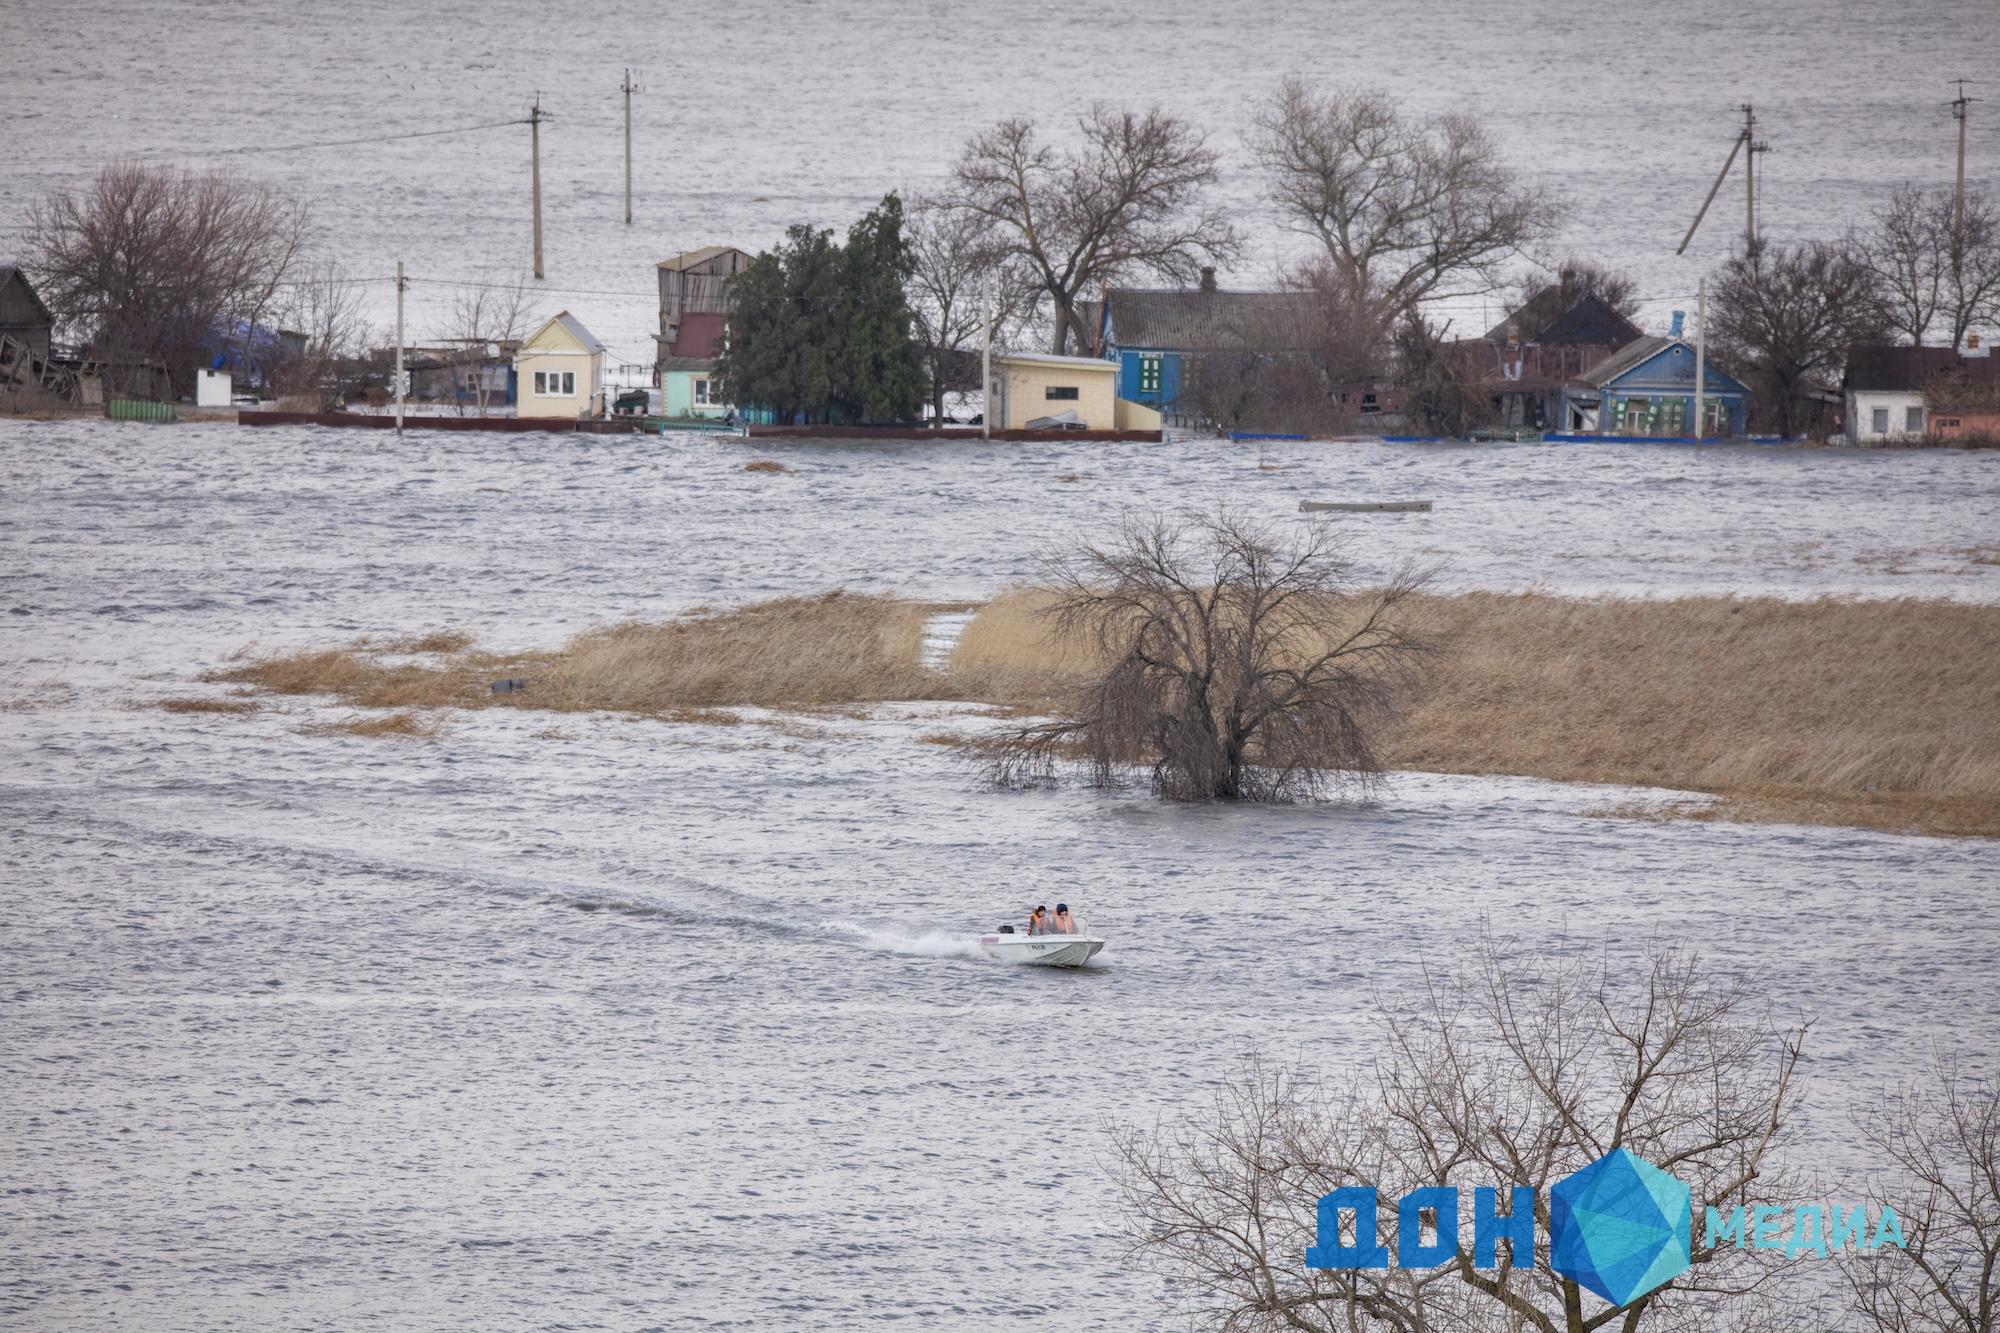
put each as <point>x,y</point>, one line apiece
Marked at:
<point>881,377</point>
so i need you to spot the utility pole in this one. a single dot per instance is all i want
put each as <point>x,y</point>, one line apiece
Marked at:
<point>399,347</point>
<point>629,88</point>
<point>535,118</point>
<point>1959,107</point>
<point>985,368</point>
<point>1751,147</point>
<point>1735,147</point>
<point>1700,356</point>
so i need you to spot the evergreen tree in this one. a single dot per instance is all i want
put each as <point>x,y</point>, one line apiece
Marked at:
<point>782,323</point>
<point>821,332</point>
<point>880,376</point>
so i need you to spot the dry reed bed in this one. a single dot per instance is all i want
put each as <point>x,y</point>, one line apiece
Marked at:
<point>1877,713</point>
<point>794,652</point>
<point>1874,713</point>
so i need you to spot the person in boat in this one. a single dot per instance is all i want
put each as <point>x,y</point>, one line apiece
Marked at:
<point>1038,920</point>
<point>1064,923</point>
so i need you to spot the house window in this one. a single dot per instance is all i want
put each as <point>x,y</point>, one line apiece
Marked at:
<point>1913,420</point>
<point>705,394</point>
<point>1880,423</point>
<point>1149,374</point>
<point>555,383</point>
<point>1060,393</point>
<point>1947,423</point>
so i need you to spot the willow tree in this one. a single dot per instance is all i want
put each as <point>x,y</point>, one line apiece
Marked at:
<point>1233,663</point>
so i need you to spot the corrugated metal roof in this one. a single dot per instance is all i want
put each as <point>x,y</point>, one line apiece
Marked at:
<point>687,363</point>
<point>1050,359</point>
<point>1626,358</point>
<point>1197,320</point>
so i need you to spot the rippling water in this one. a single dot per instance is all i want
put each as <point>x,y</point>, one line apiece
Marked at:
<point>585,1022</point>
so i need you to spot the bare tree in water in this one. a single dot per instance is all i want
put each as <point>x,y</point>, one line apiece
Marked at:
<point>1516,1070</point>
<point>1237,664</point>
<point>1941,1143</point>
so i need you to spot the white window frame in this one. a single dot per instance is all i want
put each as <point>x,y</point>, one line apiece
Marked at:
<point>703,390</point>
<point>555,384</point>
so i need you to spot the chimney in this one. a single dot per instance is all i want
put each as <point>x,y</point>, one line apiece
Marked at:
<point>1208,278</point>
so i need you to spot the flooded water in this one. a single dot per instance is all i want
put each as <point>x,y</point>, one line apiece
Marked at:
<point>757,114</point>
<point>562,1021</point>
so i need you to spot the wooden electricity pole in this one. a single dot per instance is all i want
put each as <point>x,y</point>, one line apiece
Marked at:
<point>1958,109</point>
<point>399,347</point>
<point>535,118</point>
<point>629,88</point>
<point>1700,356</point>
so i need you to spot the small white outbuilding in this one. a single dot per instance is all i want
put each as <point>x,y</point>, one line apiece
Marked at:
<point>560,371</point>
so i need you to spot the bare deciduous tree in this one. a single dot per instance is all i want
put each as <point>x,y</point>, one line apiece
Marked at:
<point>1516,1070</point>
<point>481,321</point>
<point>1935,283</point>
<point>1942,1142</point>
<point>960,276</point>
<point>166,265</point>
<point>1237,665</point>
<point>1129,199</point>
<point>1784,317</point>
<point>329,312</point>
<point>1406,209</point>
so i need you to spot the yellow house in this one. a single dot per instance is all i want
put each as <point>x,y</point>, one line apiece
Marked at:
<point>561,371</point>
<point>1031,386</point>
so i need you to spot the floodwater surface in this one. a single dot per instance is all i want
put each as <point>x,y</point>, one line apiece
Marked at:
<point>581,1021</point>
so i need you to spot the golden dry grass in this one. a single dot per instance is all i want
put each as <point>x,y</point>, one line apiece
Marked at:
<point>1881,713</point>
<point>197,705</point>
<point>409,725</point>
<point>765,465</point>
<point>797,652</point>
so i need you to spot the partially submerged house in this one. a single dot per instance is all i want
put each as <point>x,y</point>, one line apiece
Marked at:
<point>1031,387</point>
<point>1527,359</point>
<point>23,317</point>
<point>694,320</point>
<point>1645,390</point>
<point>1152,335</point>
<point>1888,392</point>
<point>560,371</point>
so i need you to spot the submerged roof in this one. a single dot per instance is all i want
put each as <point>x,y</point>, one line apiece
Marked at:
<point>1198,319</point>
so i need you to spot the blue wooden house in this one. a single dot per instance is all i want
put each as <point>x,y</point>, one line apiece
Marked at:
<point>1151,333</point>
<point>1645,390</point>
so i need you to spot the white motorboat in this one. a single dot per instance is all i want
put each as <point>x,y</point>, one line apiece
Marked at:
<point>1041,950</point>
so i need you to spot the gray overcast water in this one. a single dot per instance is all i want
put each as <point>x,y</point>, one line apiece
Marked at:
<point>563,1021</point>
<point>585,1022</point>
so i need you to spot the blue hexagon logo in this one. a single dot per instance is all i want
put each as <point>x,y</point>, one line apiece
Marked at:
<point>1620,1227</point>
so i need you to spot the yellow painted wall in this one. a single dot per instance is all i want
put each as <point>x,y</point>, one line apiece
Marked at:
<point>1026,385</point>
<point>1136,416</point>
<point>589,373</point>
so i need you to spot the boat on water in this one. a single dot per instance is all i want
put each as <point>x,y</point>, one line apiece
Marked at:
<point>1041,950</point>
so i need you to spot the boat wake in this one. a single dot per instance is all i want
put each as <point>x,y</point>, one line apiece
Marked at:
<point>911,943</point>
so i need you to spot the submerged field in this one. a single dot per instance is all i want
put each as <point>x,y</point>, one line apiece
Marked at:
<point>353,991</point>
<point>1881,714</point>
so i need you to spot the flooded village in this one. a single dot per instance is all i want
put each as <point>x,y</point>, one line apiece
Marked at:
<point>1302,666</point>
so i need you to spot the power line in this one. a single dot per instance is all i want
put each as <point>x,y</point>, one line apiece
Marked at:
<point>348,143</point>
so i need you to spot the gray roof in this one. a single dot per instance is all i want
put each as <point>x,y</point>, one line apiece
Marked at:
<point>577,331</point>
<point>1588,321</point>
<point>1625,358</point>
<point>1195,320</point>
<point>687,363</point>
